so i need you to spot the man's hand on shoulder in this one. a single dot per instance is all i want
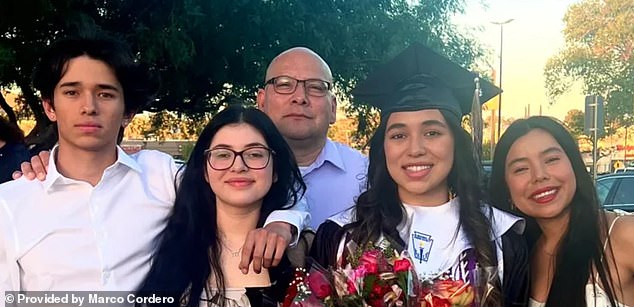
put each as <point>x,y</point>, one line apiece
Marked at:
<point>36,168</point>
<point>265,246</point>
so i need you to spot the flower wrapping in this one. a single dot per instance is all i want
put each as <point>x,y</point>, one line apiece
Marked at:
<point>376,276</point>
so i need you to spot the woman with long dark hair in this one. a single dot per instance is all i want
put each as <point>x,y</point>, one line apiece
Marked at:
<point>580,254</point>
<point>240,170</point>
<point>423,193</point>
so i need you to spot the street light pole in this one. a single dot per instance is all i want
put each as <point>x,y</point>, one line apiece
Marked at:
<point>501,24</point>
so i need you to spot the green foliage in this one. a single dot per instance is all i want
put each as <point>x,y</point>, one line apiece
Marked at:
<point>368,281</point>
<point>599,44</point>
<point>574,121</point>
<point>166,125</point>
<point>197,47</point>
<point>620,109</point>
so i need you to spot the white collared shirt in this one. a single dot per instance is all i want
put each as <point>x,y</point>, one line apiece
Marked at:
<point>63,234</point>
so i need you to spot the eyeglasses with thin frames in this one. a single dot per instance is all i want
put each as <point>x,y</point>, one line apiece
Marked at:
<point>254,158</point>
<point>287,85</point>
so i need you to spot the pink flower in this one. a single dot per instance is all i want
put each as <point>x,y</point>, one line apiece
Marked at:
<point>319,285</point>
<point>371,268</point>
<point>370,260</point>
<point>352,288</point>
<point>359,272</point>
<point>401,265</point>
<point>370,256</point>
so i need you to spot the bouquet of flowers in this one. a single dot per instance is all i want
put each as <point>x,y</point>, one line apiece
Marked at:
<point>375,276</point>
<point>443,291</point>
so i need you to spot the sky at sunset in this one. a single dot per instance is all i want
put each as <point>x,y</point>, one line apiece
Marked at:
<point>534,35</point>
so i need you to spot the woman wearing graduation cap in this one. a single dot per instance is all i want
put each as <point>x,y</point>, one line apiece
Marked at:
<point>423,193</point>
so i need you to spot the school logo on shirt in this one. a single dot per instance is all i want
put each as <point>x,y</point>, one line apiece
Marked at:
<point>421,245</point>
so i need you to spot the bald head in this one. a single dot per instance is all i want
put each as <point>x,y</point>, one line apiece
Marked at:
<point>302,118</point>
<point>299,59</point>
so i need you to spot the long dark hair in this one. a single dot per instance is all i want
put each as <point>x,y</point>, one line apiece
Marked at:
<point>379,209</point>
<point>581,247</point>
<point>190,246</point>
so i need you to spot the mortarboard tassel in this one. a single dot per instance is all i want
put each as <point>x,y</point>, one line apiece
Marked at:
<point>476,120</point>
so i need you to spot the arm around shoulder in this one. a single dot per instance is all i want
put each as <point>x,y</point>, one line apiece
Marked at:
<point>296,216</point>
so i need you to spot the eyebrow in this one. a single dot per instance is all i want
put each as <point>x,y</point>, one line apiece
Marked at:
<point>101,85</point>
<point>545,152</point>
<point>250,145</point>
<point>427,123</point>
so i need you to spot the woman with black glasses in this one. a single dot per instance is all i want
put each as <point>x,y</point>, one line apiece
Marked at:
<point>240,170</point>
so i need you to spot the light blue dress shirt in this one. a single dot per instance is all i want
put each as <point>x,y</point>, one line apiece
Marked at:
<point>334,181</point>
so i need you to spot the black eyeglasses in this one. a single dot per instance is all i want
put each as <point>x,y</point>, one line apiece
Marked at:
<point>222,159</point>
<point>288,85</point>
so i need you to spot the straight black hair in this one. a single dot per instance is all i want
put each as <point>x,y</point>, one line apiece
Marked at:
<point>190,246</point>
<point>581,250</point>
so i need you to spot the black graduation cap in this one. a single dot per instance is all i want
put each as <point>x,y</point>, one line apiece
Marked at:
<point>419,78</point>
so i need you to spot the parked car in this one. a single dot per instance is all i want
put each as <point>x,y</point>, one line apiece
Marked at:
<point>616,191</point>
<point>624,170</point>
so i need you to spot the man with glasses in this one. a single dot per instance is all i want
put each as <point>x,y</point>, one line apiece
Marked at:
<point>297,96</point>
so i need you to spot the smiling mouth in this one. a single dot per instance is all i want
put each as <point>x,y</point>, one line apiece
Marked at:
<point>417,172</point>
<point>545,196</point>
<point>417,168</point>
<point>239,183</point>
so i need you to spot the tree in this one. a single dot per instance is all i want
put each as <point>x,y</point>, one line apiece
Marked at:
<point>599,37</point>
<point>165,125</point>
<point>207,52</point>
<point>574,121</point>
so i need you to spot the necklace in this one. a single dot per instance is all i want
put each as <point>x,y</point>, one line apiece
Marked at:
<point>233,253</point>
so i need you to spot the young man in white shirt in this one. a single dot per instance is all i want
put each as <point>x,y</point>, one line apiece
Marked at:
<point>92,223</point>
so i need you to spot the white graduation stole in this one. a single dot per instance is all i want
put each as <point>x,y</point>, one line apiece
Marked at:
<point>432,241</point>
